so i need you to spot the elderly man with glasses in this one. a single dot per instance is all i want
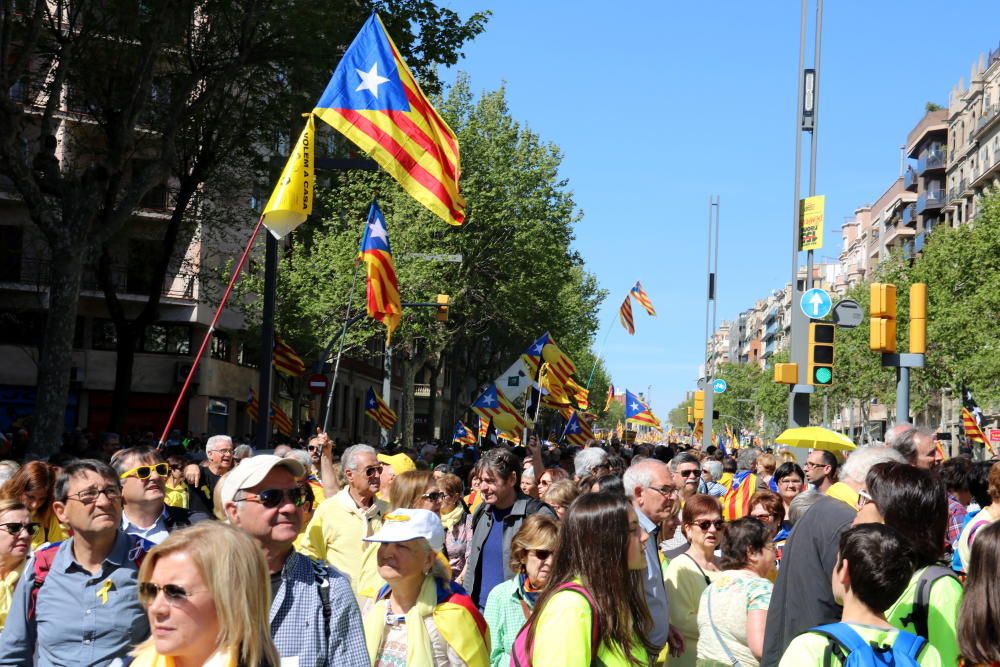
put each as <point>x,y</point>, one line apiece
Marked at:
<point>77,602</point>
<point>337,530</point>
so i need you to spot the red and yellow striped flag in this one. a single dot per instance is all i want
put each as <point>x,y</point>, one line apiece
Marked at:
<point>736,501</point>
<point>377,409</point>
<point>625,316</point>
<point>373,100</point>
<point>580,395</point>
<point>972,431</point>
<point>285,360</point>
<point>643,298</point>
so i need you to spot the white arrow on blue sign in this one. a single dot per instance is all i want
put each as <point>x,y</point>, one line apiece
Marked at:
<point>719,386</point>
<point>816,303</point>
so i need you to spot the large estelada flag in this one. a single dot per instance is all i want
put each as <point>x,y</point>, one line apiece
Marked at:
<point>736,501</point>
<point>285,359</point>
<point>463,435</point>
<point>545,348</point>
<point>377,409</point>
<point>638,412</point>
<point>578,431</point>
<point>373,100</point>
<point>383,300</point>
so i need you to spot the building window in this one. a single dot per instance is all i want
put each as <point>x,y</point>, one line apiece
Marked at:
<point>142,255</point>
<point>221,346</point>
<point>104,336</point>
<point>11,244</point>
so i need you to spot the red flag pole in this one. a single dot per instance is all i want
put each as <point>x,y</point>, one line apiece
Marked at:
<point>211,330</point>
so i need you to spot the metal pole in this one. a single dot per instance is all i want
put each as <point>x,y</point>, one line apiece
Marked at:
<point>340,350</point>
<point>386,387</point>
<point>902,395</point>
<point>706,436</point>
<point>263,431</point>
<point>706,421</point>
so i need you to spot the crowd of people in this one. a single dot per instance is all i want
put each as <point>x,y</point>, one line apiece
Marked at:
<point>494,556</point>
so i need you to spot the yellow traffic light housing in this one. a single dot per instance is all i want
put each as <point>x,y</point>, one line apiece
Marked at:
<point>690,411</point>
<point>699,404</point>
<point>882,332</point>
<point>442,310</point>
<point>786,373</point>
<point>918,318</point>
<point>820,368</point>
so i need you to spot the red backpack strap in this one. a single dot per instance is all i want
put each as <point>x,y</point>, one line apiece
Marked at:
<point>42,563</point>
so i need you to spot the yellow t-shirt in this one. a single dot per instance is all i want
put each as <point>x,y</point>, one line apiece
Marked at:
<point>843,493</point>
<point>176,496</point>
<point>809,648</point>
<point>942,614</point>
<point>564,633</point>
<point>7,586</point>
<point>52,531</point>
<point>685,583</point>
<point>337,530</point>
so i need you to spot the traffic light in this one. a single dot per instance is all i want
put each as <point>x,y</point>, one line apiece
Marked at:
<point>786,373</point>
<point>690,419</point>
<point>821,335</point>
<point>699,404</point>
<point>882,332</point>
<point>918,318</point>
<point>442,310</point>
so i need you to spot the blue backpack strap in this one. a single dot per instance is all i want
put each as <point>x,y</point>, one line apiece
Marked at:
<point>843,635</point>
<point>908,644</point>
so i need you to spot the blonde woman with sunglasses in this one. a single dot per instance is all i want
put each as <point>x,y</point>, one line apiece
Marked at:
<point>207,594</point>
<point>16,531</point>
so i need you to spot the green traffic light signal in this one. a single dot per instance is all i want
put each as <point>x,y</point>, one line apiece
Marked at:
<point>823,376</point>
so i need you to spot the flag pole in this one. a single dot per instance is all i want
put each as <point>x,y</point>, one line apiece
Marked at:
<point>340,349</point>
<point>601,351</point>
<point>211,330</point>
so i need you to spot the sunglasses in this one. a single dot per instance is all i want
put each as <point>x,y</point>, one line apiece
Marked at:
<point>176,466</point>
<point>16,528</point>
<point>705,524</point>
<point>312,448</point>
<point>371,471</point>
<point>434,496</point>
<point>689,473</point>
<point>272,498</point>
<point>172,592</point>
<point>863,498</point>
<point>542,554</point>
<point>143,472</point>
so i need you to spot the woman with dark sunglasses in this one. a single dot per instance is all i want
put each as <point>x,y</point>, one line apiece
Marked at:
<point>33,485</point>
<point>16,530</point>
<point>509,605</point>
<point>689,574</point>
<point>207,594</point>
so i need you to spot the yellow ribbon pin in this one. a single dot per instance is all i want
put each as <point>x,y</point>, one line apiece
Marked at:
<point>103,593</point>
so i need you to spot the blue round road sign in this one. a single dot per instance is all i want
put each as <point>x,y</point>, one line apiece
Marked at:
<point>816,303</point>
<point>719,386</point>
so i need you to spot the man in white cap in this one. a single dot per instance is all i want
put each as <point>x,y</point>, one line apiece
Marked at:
<point>314,616</point>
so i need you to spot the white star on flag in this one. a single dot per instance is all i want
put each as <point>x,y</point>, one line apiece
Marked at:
<point>487,400</point>
<point>370,80</point>
<point>635,406</point>
<point>378,231</point>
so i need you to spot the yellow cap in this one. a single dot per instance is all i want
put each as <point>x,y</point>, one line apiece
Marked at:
<point>400,462</point>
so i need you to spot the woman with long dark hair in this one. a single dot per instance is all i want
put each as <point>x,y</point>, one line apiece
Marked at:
<point>33,486</point>
<point>979,616</point>
<point>599,534</point>
<point>915,503</point>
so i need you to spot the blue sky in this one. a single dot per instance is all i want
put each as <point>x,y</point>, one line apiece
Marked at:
<point>660,107</point>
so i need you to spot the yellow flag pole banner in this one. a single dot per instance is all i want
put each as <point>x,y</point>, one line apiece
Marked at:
<point>292,200</point>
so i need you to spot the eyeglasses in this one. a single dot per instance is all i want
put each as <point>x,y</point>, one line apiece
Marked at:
<point>272,498</point>
<point>143,472</point>
<point>90,496</point>
<point>312,448</point>
<point>16,528</point>
<point>789,480</point>
<point>863,498</point>
<point>810,464</point>
<point>371,471</point>
<point>666,491</point>
<point>704,524</point>
<point>689,473</point>
<point>172,592</point>
<point>541,554</point>
<point>434,496</point>
<point>223,451</point>
<point>765,518</point>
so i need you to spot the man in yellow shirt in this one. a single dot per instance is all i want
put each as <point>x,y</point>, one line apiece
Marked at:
<point>337,530</point>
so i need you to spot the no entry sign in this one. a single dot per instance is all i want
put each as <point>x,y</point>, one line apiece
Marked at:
<point>317,384</point>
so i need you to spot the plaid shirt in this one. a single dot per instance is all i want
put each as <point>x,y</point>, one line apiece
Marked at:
<point>297,623</point>
<point>956,516</point>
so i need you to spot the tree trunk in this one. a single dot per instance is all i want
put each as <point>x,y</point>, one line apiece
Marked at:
<point>410,368</point>
<point>56,358</point>
<point>435,405</point>
<point>124,364</point>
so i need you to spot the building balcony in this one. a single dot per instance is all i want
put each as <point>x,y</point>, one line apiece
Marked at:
<point>33,274</point>
<point>988,168</point>
<point>896,234</point>
<point>989,119</point>
<point>931,160</point>
<point>910,179</point>
<point>918,242</point>
<point>930,200</point>
<point>909,215</point>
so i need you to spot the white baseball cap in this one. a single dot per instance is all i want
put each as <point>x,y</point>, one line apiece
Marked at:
<point>402,525</point>
<point>252,472</point>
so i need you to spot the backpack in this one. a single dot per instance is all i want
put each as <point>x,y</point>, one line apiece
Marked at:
<point>853,651</point>
<point>521,651</point>
<point>922,600</point>
<point>42,563</point>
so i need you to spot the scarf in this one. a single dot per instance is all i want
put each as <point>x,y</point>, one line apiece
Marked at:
<point>450,519</point>
<point>523,589</point>
<point>418,642</point>
<point>146,656</point>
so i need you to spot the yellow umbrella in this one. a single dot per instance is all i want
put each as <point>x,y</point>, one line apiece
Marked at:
<point>815,437</point>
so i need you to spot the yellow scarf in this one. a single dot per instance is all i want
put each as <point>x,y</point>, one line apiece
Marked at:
<point>449,519</point>
<point>418,642</point>
<point>146,656</point>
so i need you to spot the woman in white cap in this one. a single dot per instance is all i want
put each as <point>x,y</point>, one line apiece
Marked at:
<point>420,618</point>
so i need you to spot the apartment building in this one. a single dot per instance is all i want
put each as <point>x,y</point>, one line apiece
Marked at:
<point>927,143</point>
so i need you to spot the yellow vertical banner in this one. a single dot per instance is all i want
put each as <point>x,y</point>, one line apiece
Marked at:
<point>811,222</point>
<point>292,199</point>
